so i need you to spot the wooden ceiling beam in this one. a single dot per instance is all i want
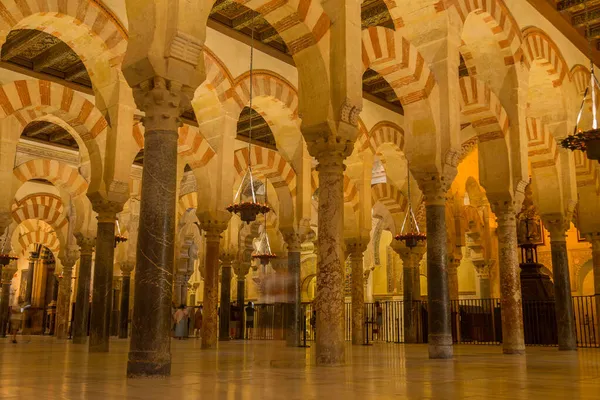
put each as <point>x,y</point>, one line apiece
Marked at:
<point>51,56</point>
<point>19,43</point>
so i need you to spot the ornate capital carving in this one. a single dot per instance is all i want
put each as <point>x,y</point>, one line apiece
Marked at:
<point>482,268</point>
<point>330,152</point>
<point>163,101</point>
<point>8,272</point>
<point>107,210</point>
<point>349,112</point>
<point>127,268</point>
<point>86,244</point>
<point>355,247</point>
<point>557,225</point>
<point>435,186</point>
<point>241,269</point>
<point>410,257</point>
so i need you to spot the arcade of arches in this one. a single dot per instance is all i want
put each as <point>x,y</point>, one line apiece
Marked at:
<point>124,136</point>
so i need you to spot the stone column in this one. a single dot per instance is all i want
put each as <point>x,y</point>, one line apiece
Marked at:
<point>294,295</point>
<point>126,269</point>
<point>50,280</point>
<point>82,301</point>
<point>213,230</point>
<point>438,296</point>
<point>8,272</point>
<point>114,315</point>
<point>594,239</point>
<point>63,306</point>
<point>150,345</point>
<point>355,248</point>
<point>241,270</point>
<point>453,264</point>
<point>410,268</point>
<point>102,294</point>
<point>226,261</point>
<point>482,269</point>
<point>33,259</point>
<point>178,297</point>
<point>329,299</point>
<point>557,225</point>
<point>513,339</point>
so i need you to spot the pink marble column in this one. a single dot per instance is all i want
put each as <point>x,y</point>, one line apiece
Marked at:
<point>513,339</point>
<point>63,307</point>
<point>355,247</point>
<point>565,316</point>
<point>329,299</point>
<point>213,230</point>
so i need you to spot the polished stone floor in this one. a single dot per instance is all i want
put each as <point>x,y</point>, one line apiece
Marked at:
<point>267,370</point>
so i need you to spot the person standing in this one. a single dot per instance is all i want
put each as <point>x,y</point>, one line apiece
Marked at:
<point>378,319</point>
<point>198,322</point>
<point>249,320</point>
<point>181,318</point>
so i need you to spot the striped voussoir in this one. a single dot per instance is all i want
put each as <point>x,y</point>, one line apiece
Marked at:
<point>92,25</point>
<point>501,22</point>
<point>300,23</point>
<point>539,47</point>
<point>390,196</point>
<point>351,193</point>
<point>586,173</point>
<point>480,107</point>
<point>265,84</point>
<point>45,207</point>
<point>268,163</point>
<point>28,99</point>
<point>58,173</point>
<point>541,145</point>
<point>392,56</point>
<point>186,202</point>
<point>32,232</point>
<point>580,76</point>
<point>384,132</point>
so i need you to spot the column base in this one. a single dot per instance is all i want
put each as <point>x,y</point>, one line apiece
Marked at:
<point>567,348</point>
<point>440,347</point>
<point>517,352</point>
<point>148,365</point>
<point>331,357</point>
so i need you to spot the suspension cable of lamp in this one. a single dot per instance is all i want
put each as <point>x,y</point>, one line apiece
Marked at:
<point>248,210</point>
<point>587,140</point>
<point>411,235</point>
<point>264,253</point>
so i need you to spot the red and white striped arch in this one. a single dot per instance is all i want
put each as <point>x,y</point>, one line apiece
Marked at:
<point>384,132</point>
<point>580,76</point>
<point>265,84</point>
<point>187,201</point>
<point>398,62</point>
<point>539,47</point>
<point>270,164</point>
<point>586,171</point>
<point>33,232</point>
<point>500,21</point>
<point>60,174</point>
<point>45,207</point>
<point>390,196</point>
<point>542,148</point>
<point>480,107</point>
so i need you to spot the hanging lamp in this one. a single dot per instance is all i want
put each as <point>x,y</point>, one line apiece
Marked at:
<point>263,253</point>
<point>410,233</point>
<point>587,140</point>
<point>247,206</point>
<point>118,237</point>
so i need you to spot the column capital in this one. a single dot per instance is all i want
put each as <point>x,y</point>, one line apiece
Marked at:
<point>8,272</point>
<point>557,225</point>
<point>213,224</point>
<point>227,257</point>
<point>69,259</point>
<point>126,268</point>
<point>482,268</point>
<point>435,185</point>
<point>295,237</point>
<point>355,247</point>
<point>410,257</point>
<point>330,152</point>
<point>107,210</point>
<point>86,244</point>
<point>594,239</point>
<point>241,269</point>
<point>163,101</point>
